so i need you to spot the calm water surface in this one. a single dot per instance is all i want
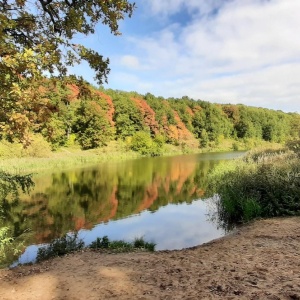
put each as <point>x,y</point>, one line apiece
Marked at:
<point>161,199</point>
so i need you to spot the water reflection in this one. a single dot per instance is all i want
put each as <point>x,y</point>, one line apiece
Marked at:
<point>79,199</point>
<point>171,227</point>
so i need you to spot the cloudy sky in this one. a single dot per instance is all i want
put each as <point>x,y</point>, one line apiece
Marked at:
<point>224,51</point>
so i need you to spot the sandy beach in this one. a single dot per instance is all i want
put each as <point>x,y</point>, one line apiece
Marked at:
<point>261,260</point>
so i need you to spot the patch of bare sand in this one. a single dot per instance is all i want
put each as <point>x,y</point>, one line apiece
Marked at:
<point>260,261</point>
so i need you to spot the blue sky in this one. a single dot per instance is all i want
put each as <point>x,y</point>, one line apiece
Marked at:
<point>224,51</point>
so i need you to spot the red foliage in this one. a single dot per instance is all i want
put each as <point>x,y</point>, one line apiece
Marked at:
<point>148,114</point>
<point>178,132</point>
<point>74,92</point>
<point>111,110</point>
<point>189,111</point>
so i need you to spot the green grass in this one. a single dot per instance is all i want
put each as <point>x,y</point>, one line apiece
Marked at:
<point>122,246</point>
<point>264,183</point>
<point>59,247</point>
<point>67,158</point>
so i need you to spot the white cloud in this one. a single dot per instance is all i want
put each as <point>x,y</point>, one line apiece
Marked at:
<point>129,82</point>
<point>170,7</point>
<point>248,52</point>
<point>130,61</point>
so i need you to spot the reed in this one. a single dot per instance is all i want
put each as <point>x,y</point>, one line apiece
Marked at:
<point>264,183</point>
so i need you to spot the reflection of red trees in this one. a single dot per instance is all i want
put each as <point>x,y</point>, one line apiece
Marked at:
<point>79,223</point>
<point>107,210</point>
<point>114,205</point>
<point>148,114</point>
<point>178,175</point>
<point>151,194</point>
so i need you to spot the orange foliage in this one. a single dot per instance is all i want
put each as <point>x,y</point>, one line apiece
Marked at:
<point>148,114</point>
<point>197,108</point>
<point>178,132</point>
<point>189,111</point>
<point>74,92</point>
<point>111,110</point>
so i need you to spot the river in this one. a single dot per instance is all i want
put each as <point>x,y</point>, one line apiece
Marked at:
<point>162,199</point>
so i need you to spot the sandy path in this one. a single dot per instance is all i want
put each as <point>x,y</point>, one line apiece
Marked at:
<point>260,261</point>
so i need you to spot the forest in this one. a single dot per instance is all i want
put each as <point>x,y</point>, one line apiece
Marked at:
<point>62,114</point>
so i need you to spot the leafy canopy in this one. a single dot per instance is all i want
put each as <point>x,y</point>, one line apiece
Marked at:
<point>48,26</point>
<point>36,40</point>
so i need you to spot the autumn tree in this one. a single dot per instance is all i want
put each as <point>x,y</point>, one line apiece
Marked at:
<point>36,40</point>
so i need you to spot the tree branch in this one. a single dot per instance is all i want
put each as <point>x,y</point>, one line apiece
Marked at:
<point>50,14</point>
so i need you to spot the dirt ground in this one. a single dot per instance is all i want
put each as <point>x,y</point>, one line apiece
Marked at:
<point>259,261</point>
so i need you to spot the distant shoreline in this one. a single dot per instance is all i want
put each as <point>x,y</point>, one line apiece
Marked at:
<point>67,158</point>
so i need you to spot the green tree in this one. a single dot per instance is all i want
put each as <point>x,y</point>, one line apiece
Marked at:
<point>128,118</point>
<point>92,126</point>
<point>211,123</point>
<point>36,38</point>
<point>144,144</point>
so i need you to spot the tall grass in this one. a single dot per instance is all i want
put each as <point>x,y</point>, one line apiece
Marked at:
<point>66,158</point>
<point>264,183</point>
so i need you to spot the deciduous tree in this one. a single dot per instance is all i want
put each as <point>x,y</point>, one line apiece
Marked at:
<point>36,40</point>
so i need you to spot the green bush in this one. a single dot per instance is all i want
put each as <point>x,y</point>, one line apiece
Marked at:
<point>39,147</point>
<point>294,145</point>
<point>55,132</point>
<point>59,247</point>
<point>122,246</point>
<point>10,150</point>
<point>143,144</point>
<point>261,184</point>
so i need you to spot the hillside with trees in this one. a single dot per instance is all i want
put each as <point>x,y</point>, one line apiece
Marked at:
<point>65,114</point>
<point>44,106</point>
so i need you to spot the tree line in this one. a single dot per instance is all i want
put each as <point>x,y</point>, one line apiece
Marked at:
<point>65,114</point>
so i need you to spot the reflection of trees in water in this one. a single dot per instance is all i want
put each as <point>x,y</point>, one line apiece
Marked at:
<point>81,198</point>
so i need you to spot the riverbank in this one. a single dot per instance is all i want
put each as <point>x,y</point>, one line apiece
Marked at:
<point>66,158</point>
<point>72,157</point>
<point>259,261</point>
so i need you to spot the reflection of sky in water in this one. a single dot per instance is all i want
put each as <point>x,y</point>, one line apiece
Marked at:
<point>171,227</point>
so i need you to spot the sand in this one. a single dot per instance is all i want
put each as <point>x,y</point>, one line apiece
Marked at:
<point>259,261</point>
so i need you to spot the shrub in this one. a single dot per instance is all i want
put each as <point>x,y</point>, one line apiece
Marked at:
<point>122,246</point>
<point>294,145</point>
<point>39,147</point>
<point>261,184</point>
<point>10,150</point>
<point>143,143</point>
<point>59,247</point>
